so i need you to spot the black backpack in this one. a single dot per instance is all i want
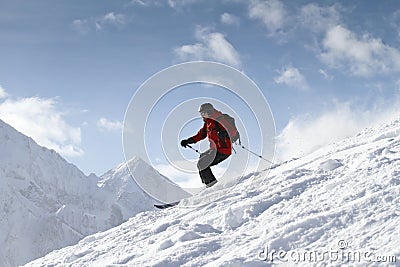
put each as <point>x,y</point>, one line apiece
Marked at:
<point>231,121</point>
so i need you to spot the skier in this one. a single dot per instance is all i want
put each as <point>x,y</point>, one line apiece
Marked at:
<point>219,132</point>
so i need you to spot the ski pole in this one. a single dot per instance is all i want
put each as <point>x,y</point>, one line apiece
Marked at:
<point>194,149</point>
<point>261,157</point>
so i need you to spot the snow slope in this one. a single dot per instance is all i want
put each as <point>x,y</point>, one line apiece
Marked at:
<point>339,205</point>
<point>47,203</point>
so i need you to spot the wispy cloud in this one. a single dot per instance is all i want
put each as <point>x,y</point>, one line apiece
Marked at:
<point>325,74</point>
<point>210,45</point>
<point>110,19</point>
<point>293,78</point>
<point>229,19</point>
<point>307,133</point>
<point>81,26</point>
<point>42,120</point>
<point>110,126</point>
<point>361,56</point>
<point>141,2</point>
<point>84,26</point>
<point>175,4</point>
<point>319,19</point>
<point>3,93</point>
<point>271,13</point>
<point>180,3</point>
<point>394,21</point>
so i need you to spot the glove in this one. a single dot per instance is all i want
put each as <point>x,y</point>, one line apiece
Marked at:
<point>185,142</point>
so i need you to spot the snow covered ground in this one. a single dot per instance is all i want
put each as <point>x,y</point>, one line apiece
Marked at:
<point>47,203</point>
<point>339,205</point>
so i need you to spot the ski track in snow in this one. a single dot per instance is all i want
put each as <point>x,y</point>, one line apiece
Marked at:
<point>345,194</point>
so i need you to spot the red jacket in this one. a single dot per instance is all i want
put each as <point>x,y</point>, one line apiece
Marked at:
<point>210,130</point>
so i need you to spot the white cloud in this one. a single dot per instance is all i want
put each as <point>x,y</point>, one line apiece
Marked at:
<point>325,74</point>
<point>395,22</point>
<point>147,3</point>
<point>211,45</point>
<point>305,134</point>
<point>41,120</point>
<point>159,3</point>
<point>292,77</point>
<point>229,19</point>
<point>83,26</point>
<point>140,2</point>
<point>271,13</point>
<point>317,18</point>
<point>362,56</point>
<point>110,19</point>
<point>180,3</point>
<point>3,93</point>
<point>110,126</point>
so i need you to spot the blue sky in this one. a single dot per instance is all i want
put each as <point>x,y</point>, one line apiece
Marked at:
<point>69,69</point>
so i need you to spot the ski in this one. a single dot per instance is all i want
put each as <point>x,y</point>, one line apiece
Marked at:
<point>173,204</point>
<point>167,205</point>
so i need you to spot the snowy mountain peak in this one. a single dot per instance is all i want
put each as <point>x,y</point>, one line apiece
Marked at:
<point>156,185</point>
<point>48,203</point>
<point>340,200</point>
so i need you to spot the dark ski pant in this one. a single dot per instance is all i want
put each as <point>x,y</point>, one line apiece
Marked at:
<point>206,160</point>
